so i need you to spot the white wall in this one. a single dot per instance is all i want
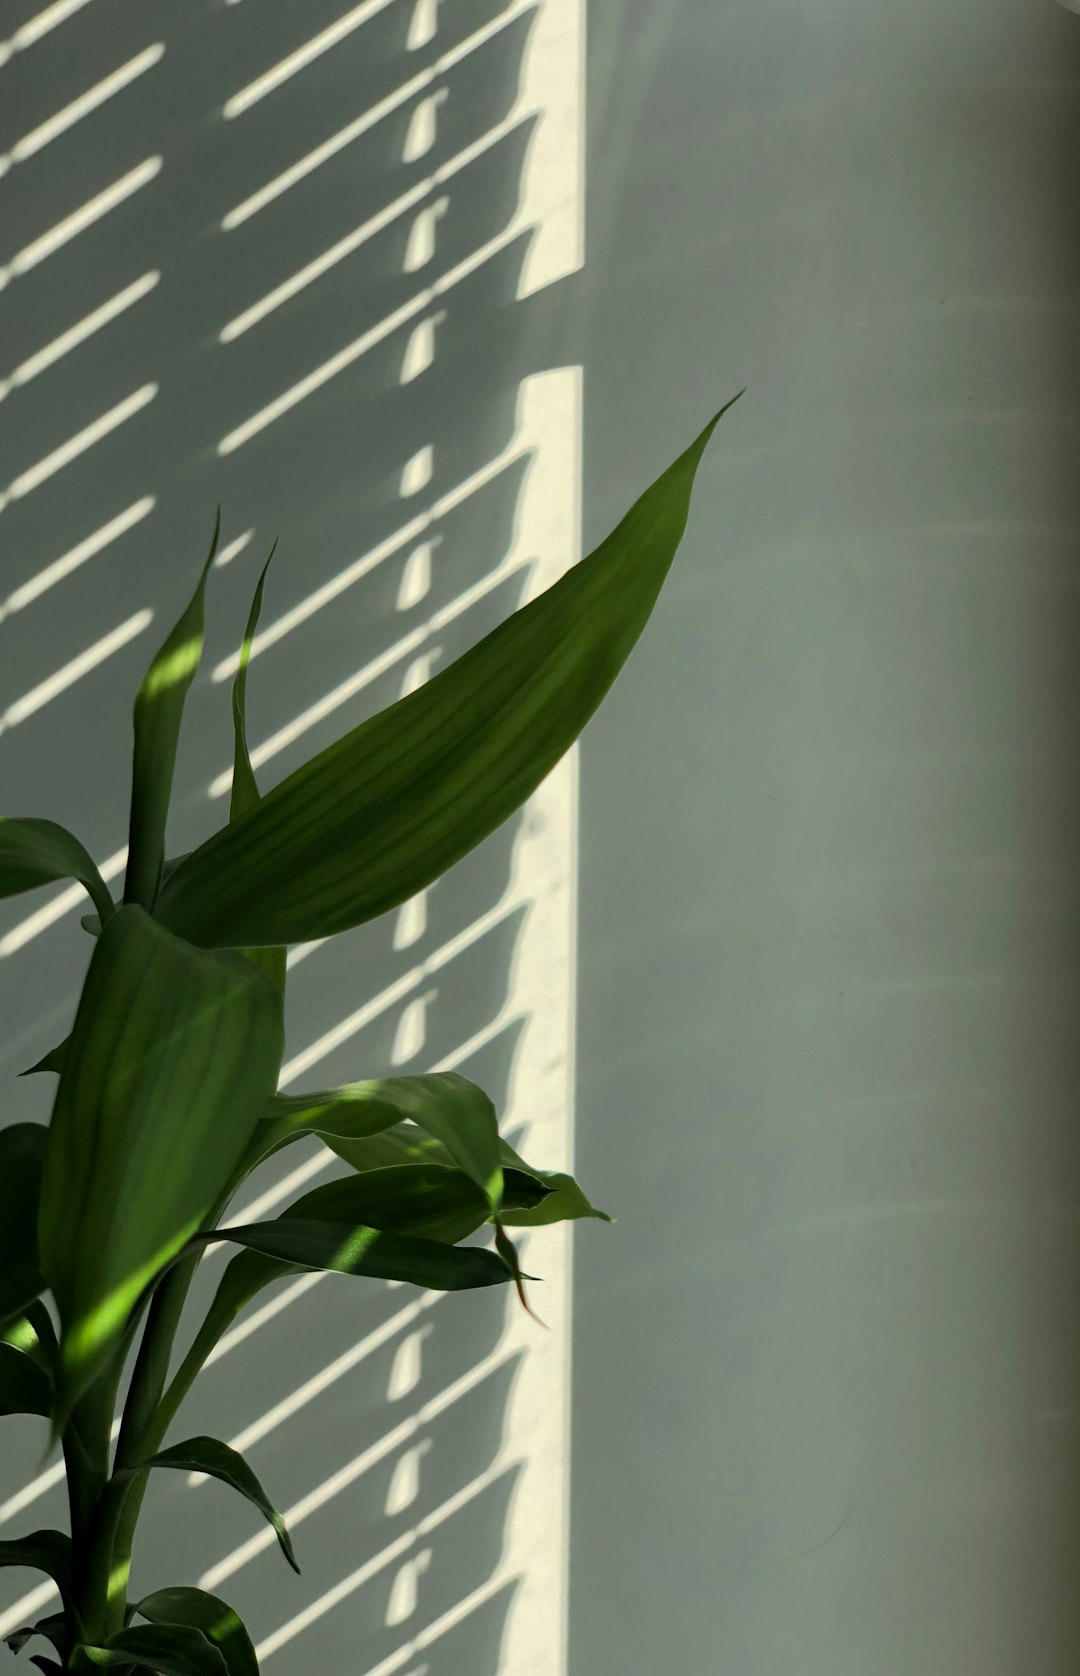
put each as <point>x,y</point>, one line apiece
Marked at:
<point>826,1370</point>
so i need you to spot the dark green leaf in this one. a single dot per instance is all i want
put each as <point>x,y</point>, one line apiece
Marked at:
<point>173,1056</point>
<point>390,807</point>
<point>49,1666</point>
<point>51,1061</point>
<point>346,1248</point>
<point>245,791</point>
<point>428,1200</point>
<point>22,1150</point>
<point>171,1649</point>
<point>53,1628</point>
<point>159,708</point>
<point>36,852</point>
<point>217,1460</point>
<point>212,1616</point>
<point>438,1207</point>
<point>433,1201</point>
<point>25,1388</point>
<point>48,1551</point>
<point>405,1143</point>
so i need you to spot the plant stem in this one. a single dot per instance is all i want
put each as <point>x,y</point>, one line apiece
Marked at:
<point>141,1431</point>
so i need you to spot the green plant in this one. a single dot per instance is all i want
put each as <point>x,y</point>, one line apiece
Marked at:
<point>167,1082</point>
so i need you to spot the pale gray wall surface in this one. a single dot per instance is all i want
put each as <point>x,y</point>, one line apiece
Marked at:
<point>826,1370</point>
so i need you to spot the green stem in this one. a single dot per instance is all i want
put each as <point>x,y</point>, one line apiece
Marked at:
<point>121,1499</point>
<point>148,1412</point>
<point>86,1441</point>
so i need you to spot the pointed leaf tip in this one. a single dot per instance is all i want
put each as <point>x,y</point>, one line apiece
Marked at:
<point>218,1460</point>
<point>390,807</point>
<point>159,709</point>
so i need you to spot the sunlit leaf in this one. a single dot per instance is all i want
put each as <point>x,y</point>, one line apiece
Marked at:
<point>245,791</point>
<point>564,1202</point>
<point>173,1056</point>
<point>440,1101</point>
<point>207,1613</point>
<point>159,708</point>
<point>217,1460</point>
<point>32,1332</point>
<point>22,1151</point>
<point>390,807</point>
<point>25,1388</point>
<point>38,852</point>
<point>345,1248</point>
<point>170,1649</point>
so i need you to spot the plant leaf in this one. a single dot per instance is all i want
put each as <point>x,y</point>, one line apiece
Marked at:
<point>245,792</point>
<point>346,1248</point>
<point>159,708</point>
<point>565,1201</point>
<point>173,1055</point>
<point>49,1666</point>
<point>404,1143</point>
<point>435,1211</point>
<point>25,1388</point>
<point>387,809</point>
<point>37,852</point>
<point>170,1649</point>
<point>212,1616</point>
<point>33,1334</point>
<point>432,1201</point>
<point>359,1110</point>
<point>217,1460</point>
<point>45,1550</point>
<point>51,1061</point>
<point>22,1151</point>
<point>53,1628</point>
<point>450,1108</point>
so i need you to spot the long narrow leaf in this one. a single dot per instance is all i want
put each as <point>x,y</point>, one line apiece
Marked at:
<point>173,1055</point>
<point>346,1248</point>
<point>387,809</point>
<point>37,852</point>
<point>159,708</point>
<point>438,1204</point>
<point>433,1201</point>
<point>404,1143</point>
<point>245,791</point>
<point>217,1460</point>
